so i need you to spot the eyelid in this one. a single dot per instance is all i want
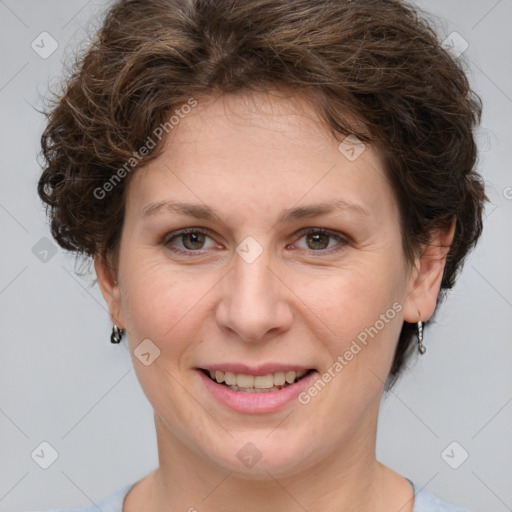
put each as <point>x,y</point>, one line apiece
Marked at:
<point>176,234</point>
<point>342,239</point>
<point>325,231</point>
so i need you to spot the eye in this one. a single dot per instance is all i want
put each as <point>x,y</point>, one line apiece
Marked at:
<point>192,239</point>
<point>317,240</point>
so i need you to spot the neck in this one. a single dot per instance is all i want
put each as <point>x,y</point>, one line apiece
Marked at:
<point>350,479</point>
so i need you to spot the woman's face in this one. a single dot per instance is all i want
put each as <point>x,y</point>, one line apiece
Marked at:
<point>253,294</point>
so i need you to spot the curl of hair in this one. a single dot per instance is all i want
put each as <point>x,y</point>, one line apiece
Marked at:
<point>376,61</point>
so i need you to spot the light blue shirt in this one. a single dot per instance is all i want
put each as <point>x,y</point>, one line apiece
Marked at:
<point>424,501</point>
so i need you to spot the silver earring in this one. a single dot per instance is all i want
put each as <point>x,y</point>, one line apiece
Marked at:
<point>117,334</point>
<point>421,348</point>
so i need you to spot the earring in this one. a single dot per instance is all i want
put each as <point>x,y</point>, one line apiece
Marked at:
<point>421,348</point>
<point>117,334</point>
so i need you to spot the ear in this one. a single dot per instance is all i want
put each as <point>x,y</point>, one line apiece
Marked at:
<point>426,277</point>
<point>107,281</point>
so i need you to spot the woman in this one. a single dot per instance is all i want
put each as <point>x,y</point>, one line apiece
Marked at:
<point>275,194</point>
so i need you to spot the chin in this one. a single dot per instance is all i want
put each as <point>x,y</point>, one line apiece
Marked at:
<point>259,457</point>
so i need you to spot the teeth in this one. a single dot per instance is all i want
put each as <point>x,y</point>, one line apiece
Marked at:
<point>258,383</point>
<point>279,378</point>
<point>244,381</point>
<point>253,390</point>
<point>264,381</point>
<point>290,377</point>
<point>230,379</point>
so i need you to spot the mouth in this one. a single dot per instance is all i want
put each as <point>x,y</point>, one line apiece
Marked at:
<point>266,383</point>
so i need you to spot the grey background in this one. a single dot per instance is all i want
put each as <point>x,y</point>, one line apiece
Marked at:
<point>61,381</point>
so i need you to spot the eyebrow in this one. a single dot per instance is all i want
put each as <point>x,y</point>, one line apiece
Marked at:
<point>204,212</point>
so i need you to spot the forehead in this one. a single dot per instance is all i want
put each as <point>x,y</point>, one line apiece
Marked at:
<point>275,119</point>
<point>247,147</point>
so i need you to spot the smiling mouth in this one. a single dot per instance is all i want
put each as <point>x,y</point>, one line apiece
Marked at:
<point>256,383</point>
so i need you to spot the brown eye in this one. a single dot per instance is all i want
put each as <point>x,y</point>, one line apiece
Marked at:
<point>192,241</point>
<point>196,240</point>
<point>319,240</point>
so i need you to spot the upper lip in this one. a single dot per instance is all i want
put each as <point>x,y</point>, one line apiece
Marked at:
<point>263,369</point>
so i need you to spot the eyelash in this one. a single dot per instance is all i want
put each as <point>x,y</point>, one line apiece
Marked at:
<point>304,232</point>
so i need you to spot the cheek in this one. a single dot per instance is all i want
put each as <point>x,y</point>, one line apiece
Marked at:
<point>353,299</point>
<point>360,305</point>
<point>160,302</point>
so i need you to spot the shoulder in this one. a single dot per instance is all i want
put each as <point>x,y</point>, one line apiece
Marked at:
<point>425,501</point>
<point>112,503</point>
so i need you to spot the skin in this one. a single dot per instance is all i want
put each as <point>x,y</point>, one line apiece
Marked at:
<point>250,157</point>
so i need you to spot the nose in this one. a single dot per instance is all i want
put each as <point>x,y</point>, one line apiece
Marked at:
<point>255,302</point>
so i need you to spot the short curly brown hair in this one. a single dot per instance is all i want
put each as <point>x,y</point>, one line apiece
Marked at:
<point>377,61</point>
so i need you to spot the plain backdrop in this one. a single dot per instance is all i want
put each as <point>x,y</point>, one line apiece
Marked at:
<point>63,383</point>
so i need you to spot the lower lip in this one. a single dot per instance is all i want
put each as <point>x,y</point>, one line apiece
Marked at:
<point>257,403</point>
